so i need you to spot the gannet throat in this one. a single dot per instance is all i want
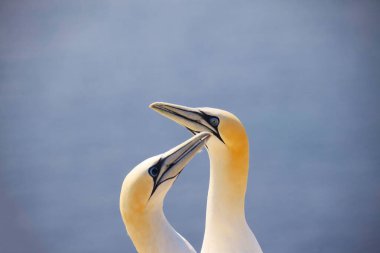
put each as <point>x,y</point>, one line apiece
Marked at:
<point>226,228</point>
<point>143,193</point>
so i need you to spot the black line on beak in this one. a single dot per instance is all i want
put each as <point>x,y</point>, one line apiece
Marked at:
<point>201,114</point>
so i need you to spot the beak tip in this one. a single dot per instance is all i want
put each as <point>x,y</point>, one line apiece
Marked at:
<point>205,136</point>
<point>154,106</point>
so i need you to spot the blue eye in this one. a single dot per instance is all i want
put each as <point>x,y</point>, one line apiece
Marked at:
<point>214,121</point>
<point>153,171</point>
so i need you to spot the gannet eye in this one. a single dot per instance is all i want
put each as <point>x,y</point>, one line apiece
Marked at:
<point>153,171</point>
<point>214,121</point>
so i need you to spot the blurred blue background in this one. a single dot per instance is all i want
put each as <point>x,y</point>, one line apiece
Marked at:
<point>76,79</point>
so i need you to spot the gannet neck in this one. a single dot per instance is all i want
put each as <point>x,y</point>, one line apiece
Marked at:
<point>151,232</point>
<point>228,180</point>
<point>226,227</point>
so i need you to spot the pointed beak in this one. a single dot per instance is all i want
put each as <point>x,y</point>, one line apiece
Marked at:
<point>178,157</point>
<point>191,118</point>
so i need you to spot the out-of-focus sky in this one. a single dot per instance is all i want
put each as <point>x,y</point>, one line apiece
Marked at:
<point>76,78</point>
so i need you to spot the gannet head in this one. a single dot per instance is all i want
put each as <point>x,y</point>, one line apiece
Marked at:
<point>226,129</point>
<point>145,187</point>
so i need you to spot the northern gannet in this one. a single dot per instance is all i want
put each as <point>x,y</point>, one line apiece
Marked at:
<point>143,193</point>
<point>226,229</point>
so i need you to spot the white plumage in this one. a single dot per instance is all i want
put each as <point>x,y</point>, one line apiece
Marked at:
<point>226,229</point>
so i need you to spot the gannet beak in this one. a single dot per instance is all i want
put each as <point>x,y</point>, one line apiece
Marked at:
<point>175,160</point>
<point>192,118</point>
<point>185,116</point>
